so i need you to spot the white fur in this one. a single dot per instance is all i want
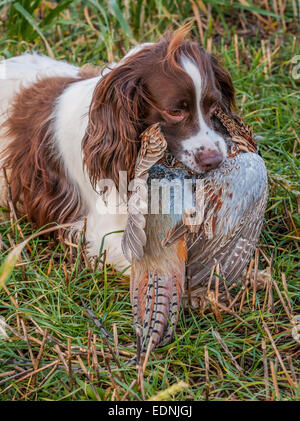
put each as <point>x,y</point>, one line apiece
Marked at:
<point>27,67</point>
<point>206,137</point>
<point>136,49</point>
<point>70,124</point>
<point>23,71</point>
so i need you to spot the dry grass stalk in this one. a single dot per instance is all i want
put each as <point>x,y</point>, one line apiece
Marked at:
<point>266,2</point>
<point>50,267</point>
<point>289,379</point>
<point>281,11</point>
<point>41,352</point>
<point>16,375</point>
<point>214,305</point>
<point>210,277</point>
<point>206,361</point>
<point>264,254</point>
<point>88,19</point>
<point>140,361</point>
<point>69,363</point>
<point>209,44</point>
<point>112,353</point>
<point>283,278</point>
<point>140,375</point>
<point>95,358</point>
<point>7,373</point>
<point>292,368</point>
<point>46,377</point>
<point>29,373</point>
<point>254,282</point>
<point>217,277</point>
<point>236,46</point>
<point>228,296</point>
<point>269,57</point>
<point>244,286</point>
<point>257,15</point>
<point>275,7</point>
<point>296,143</point>
<point>295,11</point>
<point>61,357</point>
<point>89,347</point>
<point>199,21</point>
<point>65,273</point>
<point>111,377</point>
<point>133,383</point>
<point>274,379</point>
<point>88,378</point>
<point>50,338</point>
<point>147,353</point>
<point>233,313</point>
<point>13,301</point>
<point>264,57</point>
<point>228,353</point>
<point>270,305</point>
<point>268,286</point>
<point>243,296</point>
<point>286,309</point>
<point>29,345</point>
<point>266,373</point>
<point>115,333</point>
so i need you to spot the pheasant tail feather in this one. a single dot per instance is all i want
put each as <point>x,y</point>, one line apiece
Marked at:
<point>156,303</point>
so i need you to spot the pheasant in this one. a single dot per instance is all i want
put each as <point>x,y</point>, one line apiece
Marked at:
<point>173,254</point>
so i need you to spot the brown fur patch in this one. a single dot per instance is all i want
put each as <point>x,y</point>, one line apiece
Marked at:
<point>139,92</point>
<point>39,184</point>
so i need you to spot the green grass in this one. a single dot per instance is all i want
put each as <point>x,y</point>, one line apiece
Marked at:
<point>43,290</point>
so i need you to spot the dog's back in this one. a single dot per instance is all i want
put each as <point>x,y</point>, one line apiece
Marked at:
<point>22,71</point>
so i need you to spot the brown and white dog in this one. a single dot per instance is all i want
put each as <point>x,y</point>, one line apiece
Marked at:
<point>63,129</point>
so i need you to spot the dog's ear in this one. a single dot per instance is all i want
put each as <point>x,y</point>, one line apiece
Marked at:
<point>224,84</point>
<point>111,141</point>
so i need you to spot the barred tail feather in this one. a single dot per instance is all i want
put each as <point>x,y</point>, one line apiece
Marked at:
<point>156,304</point>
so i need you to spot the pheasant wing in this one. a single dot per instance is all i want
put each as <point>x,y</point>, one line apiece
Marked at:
<point>233,223</point>
<point>152,150</point>
<point>230,204</point>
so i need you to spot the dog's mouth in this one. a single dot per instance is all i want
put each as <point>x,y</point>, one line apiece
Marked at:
<point>190,166</point>
<point>197,162</point>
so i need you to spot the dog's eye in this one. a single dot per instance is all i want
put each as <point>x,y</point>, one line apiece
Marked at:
<point>176,114</point>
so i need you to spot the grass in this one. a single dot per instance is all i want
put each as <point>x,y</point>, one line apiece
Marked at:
<point>40,302</point>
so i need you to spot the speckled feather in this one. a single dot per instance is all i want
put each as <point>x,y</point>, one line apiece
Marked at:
<point>230,203</point>
<point>153,146</point>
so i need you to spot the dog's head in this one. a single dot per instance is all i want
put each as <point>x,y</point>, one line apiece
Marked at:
<point>173,82</point>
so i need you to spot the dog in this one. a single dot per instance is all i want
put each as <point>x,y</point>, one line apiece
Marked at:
<point>64,129</point>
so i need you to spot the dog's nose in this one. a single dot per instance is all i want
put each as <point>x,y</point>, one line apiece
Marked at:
<point>209,160</point>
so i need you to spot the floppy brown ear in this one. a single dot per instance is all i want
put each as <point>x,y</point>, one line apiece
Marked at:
<point>224,83</point>
<point>111,141</point>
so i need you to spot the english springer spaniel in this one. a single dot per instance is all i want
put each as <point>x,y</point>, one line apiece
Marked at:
<point>64,128</point>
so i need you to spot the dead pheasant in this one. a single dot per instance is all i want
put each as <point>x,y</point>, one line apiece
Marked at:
<point>221,227</point>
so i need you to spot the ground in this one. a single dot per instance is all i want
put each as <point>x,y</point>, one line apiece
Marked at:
<point>52,350</point>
